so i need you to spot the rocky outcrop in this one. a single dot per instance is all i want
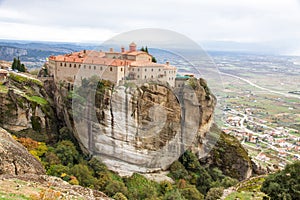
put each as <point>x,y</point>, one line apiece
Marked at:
<point>229,155</point>
<point>25,105</point>
<point>142,128</point>
<point>33,186</point>
<point>15,159</point>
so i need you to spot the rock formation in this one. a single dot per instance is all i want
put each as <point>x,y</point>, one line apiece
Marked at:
<point>15,159</point>
<point>143,128</point>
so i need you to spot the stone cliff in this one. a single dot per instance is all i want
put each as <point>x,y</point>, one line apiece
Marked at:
<point>26,106</point>
<point>131,128</point>
<point>15,159</point>
<point>143,127</point>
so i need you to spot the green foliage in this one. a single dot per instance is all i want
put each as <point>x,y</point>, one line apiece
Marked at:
<point>17,65</point>
<point>284,184</point>
<point>58,170</point>
<point>165,186</point>
<point>177,171</point>
<point>114,187</point>
<point>83,174</point>
<point>214,193</point>
<point>140,187</point>
<point>154,59</point>
<point>191,193</point>
<point>119,196</point>
<point>36,123</point>
<point>66,152</point>
<point>173,195</point>
<point>190,161</point>
<point>24,79</point>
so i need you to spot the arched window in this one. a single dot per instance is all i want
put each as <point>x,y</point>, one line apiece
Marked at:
<point>145,77</point>
<point>60,64</point>
<point>90,67</point>
<point>145,70</point>
<point>111,69</point>
<point>151,76</point>
<point>94,67</point>
<point>121,69</point>
<point>65,64</point>
<point>70,65</point>
<point>101,68</point>
<point>152,69</point>
<point>74,65</point>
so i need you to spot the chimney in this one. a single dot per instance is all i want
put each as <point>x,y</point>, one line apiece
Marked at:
<point>168,63</point>
<point>111,50</point>
<point>122,49</point>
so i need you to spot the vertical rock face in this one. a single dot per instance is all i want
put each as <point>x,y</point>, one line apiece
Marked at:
<point>25,105</point>
<point>15,159</point>
<point>143,128</point>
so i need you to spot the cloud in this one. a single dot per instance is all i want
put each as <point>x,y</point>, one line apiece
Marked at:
<point>213,20</point>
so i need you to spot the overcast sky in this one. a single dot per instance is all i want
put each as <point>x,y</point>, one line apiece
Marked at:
<point>271,22</point>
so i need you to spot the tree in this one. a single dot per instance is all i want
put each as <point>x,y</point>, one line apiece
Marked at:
<point>83,174</point>
<point>154,59</point>
<point>214,193</point>
<point>177,171</point>
<point>14,64</point>
<point>146,49</point>
<point>114,187</point>
<point>284,184</point>
<point>142,49</point>
<point>191,193</point>
<point>66,152</point>
<point>17,65</point>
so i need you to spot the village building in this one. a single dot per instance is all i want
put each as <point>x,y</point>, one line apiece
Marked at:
<point>117,67</point>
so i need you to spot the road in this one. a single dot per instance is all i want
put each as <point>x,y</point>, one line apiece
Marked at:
<point>262,88</point>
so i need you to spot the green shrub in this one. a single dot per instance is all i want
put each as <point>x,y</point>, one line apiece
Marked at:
<point>114,187</point>
<point>140,187</point>
<point>119,196</point>
<point>214,193</point>
<point>284,184</point>
<point>191,193</point>
<point>177,171</point>
<point>66,152</point>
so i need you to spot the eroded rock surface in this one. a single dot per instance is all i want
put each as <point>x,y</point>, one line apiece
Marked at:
<point>15,159</point>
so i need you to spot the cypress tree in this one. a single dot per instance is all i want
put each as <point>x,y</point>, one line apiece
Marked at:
<point>14,64</point>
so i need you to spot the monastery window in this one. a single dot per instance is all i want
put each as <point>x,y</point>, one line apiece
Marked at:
<point>138,76</point>
<point>133,69</point>
<point>79,66</point>
<point>65,64</point>
<point>101,68</point>
<point>84,66</point>
<point>151,76</point>
<point>70,65</point>
<point>60,64</point>
<point>151,69</point>
<point>74,65</point>
<point>159,70</point>
<point>111,69</point>
<point>145,77</point>
<point>94,67</point>
<point>90,67</point>
<point>145,70</point>
<point>138,70</point>
<point>121,69</point>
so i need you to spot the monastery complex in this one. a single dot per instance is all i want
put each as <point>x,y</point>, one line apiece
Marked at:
<point>114,66</point>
